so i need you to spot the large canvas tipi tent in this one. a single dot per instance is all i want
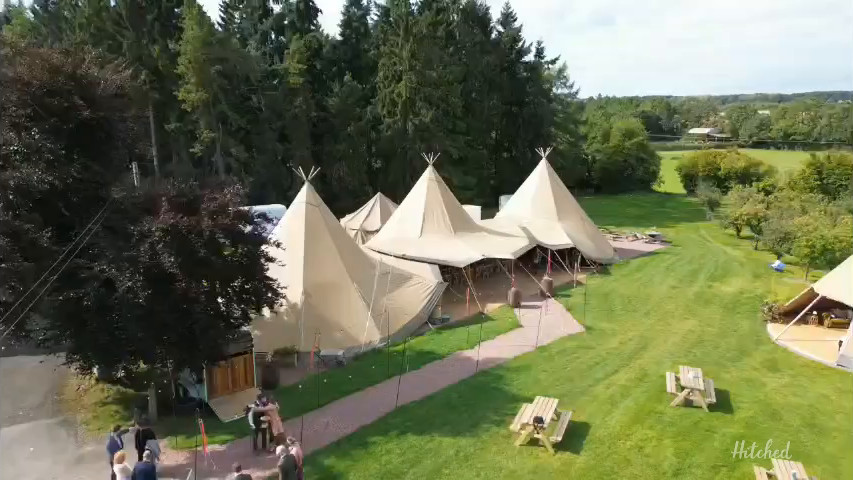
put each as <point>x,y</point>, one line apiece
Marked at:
<point>834,288</point>
<point>338,295</point>
<point>363,223</point>
<point>544,207</point>
<point>431,226</point>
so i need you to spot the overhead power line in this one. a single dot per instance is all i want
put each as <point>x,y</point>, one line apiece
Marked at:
<point>88,231</point>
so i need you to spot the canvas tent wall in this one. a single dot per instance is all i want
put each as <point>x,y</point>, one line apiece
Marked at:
<point>338,295</point>
<point>363,223</point>
<point>431,226</point>
<point>544,207</point>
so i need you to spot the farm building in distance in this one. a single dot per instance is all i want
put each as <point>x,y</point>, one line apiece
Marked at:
<point>708,134</point>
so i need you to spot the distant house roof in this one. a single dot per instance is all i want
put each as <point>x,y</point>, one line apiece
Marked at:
<point>764,112</point>
<point>703,131</point>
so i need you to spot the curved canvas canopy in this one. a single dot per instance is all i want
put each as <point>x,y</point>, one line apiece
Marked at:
<point>544,207</point>
<point>363,223</point>
<point>431,226</point>
<point>836,285</point>
<point>337,294</point>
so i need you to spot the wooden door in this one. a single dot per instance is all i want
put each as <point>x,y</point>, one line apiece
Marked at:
<point>231,376</point>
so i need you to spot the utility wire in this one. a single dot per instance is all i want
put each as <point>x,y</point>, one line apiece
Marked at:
<point>52,279</point>
<point>70,245</point>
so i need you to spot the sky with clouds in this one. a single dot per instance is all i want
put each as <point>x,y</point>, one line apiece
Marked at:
<point>679,47</point>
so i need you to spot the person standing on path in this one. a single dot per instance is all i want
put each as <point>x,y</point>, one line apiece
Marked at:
<point>239,474</point>
<point>287,469</point>
<point>144,470</point>
<point>141,436</point>
<point>121,470</point>
<point>115,443</point>
<point>296,449</point>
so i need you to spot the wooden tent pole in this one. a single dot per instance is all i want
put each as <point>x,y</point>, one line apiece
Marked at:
<point>797,317</point>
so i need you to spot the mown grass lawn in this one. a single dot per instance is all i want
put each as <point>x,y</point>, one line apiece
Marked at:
<point>695,303</point>
<point>366,370</point>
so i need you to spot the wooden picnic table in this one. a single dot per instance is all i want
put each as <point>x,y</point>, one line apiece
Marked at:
<point>782,470</point>
<point>695,386</point>
<point>545,407</point>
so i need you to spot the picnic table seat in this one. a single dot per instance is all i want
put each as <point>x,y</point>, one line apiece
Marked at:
<point>561,427</point>
<point>760,473</point>
<point>516,424</point>
<point>710,393</point>
<point>672,384</point>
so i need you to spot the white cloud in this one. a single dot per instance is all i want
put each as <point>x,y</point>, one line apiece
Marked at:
<point>628,47</point>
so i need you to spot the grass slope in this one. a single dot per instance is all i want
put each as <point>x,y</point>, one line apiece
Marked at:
<point>695,303</point>
<point>366,370</point>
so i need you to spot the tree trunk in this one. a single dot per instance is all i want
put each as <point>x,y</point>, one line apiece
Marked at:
<point>152,403</point>
<point>154,149</point>
<point>808,270</point>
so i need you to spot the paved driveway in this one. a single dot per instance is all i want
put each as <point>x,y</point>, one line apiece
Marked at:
<point>36,441</point>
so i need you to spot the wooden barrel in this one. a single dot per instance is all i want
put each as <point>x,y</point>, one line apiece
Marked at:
<point>547,288</point>
<point>513,297</point>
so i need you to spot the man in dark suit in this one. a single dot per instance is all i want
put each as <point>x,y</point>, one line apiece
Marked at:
<point>115,442</point>
<point>141,436</point>
<point>259,427</point>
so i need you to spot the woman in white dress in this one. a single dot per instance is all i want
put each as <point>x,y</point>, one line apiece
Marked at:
<point>120,466</point>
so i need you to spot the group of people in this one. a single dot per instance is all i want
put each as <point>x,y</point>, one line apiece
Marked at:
<point>147,453</point>
<point>266,423</point>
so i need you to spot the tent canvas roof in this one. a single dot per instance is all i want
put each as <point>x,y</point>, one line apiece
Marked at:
<point>545,208</point>
<point>836,285</point>
<point>337,294</point>
<point>369,218</point>
<point>431,226</point>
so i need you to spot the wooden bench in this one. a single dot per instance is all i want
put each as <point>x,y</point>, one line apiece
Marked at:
<point>760,473</point>
<point>562,424</point>
<point>672,384</point>
<point>516,424</point>
<point>710,393</point>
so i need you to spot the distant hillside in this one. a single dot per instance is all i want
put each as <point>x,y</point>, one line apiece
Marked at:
<point>832,96</point>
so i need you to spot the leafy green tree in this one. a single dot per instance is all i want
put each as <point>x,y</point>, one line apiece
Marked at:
<point>166,276</point>
<point>710,197</point>
<point>746,207</point>
<point>723,169</point>
<point>821,241</point>
<point>739,115</point>
<point>621,158</point>
<point>829,174</point>
<point>755,129</point>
